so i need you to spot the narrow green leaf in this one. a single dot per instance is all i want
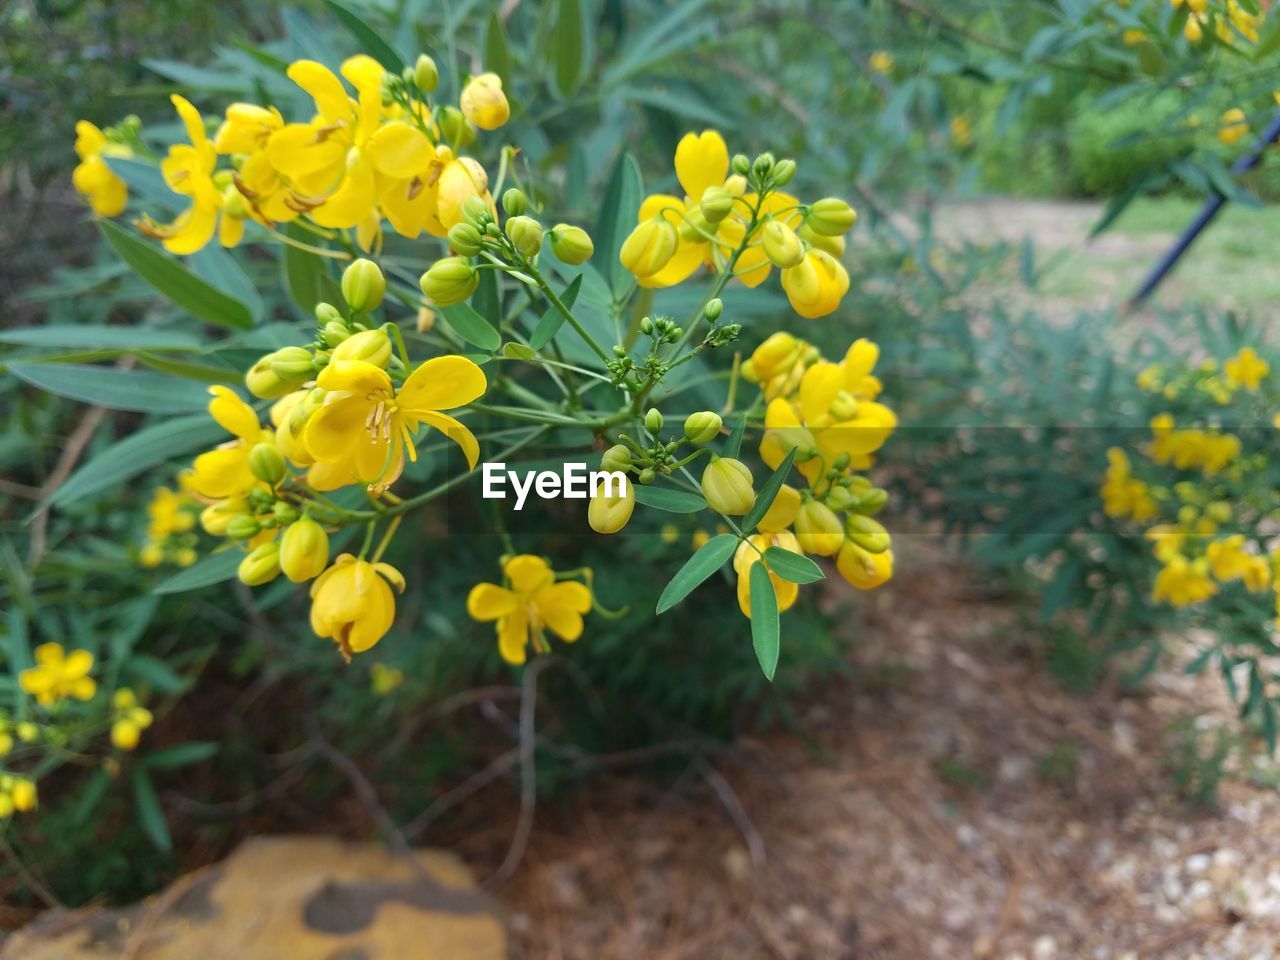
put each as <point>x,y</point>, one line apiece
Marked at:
<point>764,620</point>
<point>100,337</point>
<point>215,264</point>
<point>138,452</point>
<point>171,278</point>
<point>200,372</point>
<point>368,38</point>
<point>551,321</point>
<point>150,816</point>
<point>182,755</point>
<point>144,669</point>
<point>215,568</point>
<point>471,326</point>
<point>118,389</point>
<point>672,501</point>
<point>795,567</point>
<point>709,558</point>
<point>497,52</point>
<point>768,492</point>
<point>566,46</point>
<point>91,795</point>
<point>733,445</point>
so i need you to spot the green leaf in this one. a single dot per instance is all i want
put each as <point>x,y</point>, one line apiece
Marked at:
<point>767,494</point>
<point>518,351</point>
<point>795,567</point>
<point>150,816</point>
<point>212,569</point>
<point>306,274</point>
<point>764,620</point>
<point>708,558</point>
<point>566,46</point>
<point>184,754</point>
<point>368,38</point>
<point>118,389</point>
<point>672,501</point>
<point>220,268</point>
<point>171,278</point>
<point>100,337</point>
<point>733,445</point>
<point>155,673</point>
<point>138,452</point>
<point>551,321</point>
<point>91,795</point>
<point>471,326</point>
<point>617,219</point>
<point>497,52</point>
<point>201,372</point>
<point>660,41</point>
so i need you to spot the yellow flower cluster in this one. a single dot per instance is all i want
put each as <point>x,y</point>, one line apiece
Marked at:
<point>1122,494</point>
<point>733,215</point>
<point>1192,448</point>
<point>530,601</point>
<point>375,149</point>
<point>16,794</point>
<point>93,178</point>
<point>130,719</point>
<point>172,517</point>
<point>25,731</point>
<point>1246,370</point>
<point>58,676</point>
<point>1230,21</point>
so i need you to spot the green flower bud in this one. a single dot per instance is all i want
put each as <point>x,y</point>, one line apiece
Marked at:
<point>716,204</point>
<point>783,171</point>
<point>267,463</point>
<point>869,534</point>
<point>653,421</point>
<point>616,458</point>
<point>454,127</point>
<point>363,286</point>
<point>240,526</point>
<point>818,529</point>
<point>476,211</point>
<point>465,239</point>
<point>450,281</point>
<point>726,483</point>
<point>702,427</point>
<point>425,74</point>
<point>713,309</point>
<point>649,247</point>
<point>525,233</point>
<point>570,244</point>
<point>304,550</point>
<point>763,165</point>
<point>646,325</point>
<point>262,565</point>
<point>610,514</point>
<point>334,333</point>
<point>841,498</point>
<point>872,501</point>
<point>263,382</point>
<point>781,245</point>
<point>740,164</point>
<point>831,217</point>
<point>327,313</point>
<point>371,346</point>
<point>647,476</point>
<point>514,202</point>
<point>293,365</point>
<point>285,512</point>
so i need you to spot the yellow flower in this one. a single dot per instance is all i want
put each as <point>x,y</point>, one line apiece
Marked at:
<point>352,603</point>
<point>131,719</point>
<point>1181,582</point>
<point>170,512</point>
<point>1134,36</point>
<point>529,602</point>
<point>304,550</point>
<point>384,680</point>
<point>609,513</point>
<point>224,473</point>
<point>1246,369</point>
<point>726,484</point>
<point>961,131</point>
<point>1122,495</point>
<point>816,285</point>
<point>58,675</point>
<point>748,555</point>
<point>1232,126</point>
<point>339,155</point>
<point>189,171</point>
<point>484,103</point>
<point>862,568</point>
<point>93,178</point>
<point>365,424</point>
<point>881,61</point>
<point>20,796</point>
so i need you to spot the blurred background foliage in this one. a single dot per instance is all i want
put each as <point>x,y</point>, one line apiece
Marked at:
<point>898,104</point>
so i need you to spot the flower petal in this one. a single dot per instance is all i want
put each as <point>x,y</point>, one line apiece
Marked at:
<point>442,384</point>
<point>488,601</point>
<point>702,160</point>
<point>528,574</point>
<point>513,636</point>
<point>455,431</point>
<point>400,151</point>
<point>325,89</point>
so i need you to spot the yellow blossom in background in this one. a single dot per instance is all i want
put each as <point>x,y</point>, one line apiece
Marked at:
<point>881,61</point>
<point>58,675</point>
<point>961,131</point>
<point>1133,36</point>
<point>130,719</point>
<point>352,603</point>
<point>1122,495</point>
<point>529,602</point>
<point>1246,369</point>
<point>93,178</point>
<point>384,680</point>
<point>1182,582</point>
<point>1232,126</point>
<point>17,794</point>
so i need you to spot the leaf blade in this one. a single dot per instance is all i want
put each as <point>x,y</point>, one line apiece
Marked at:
<point>765,629</point>
<point>708,558</point>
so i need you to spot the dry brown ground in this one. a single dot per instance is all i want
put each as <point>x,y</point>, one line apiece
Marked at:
<point>918,813</point>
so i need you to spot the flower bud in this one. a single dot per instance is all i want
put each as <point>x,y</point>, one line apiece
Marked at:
<point>864,570</point>
<point>735,185</point>
<point>841,498</point>
<point>783,171</point>
<point>334,332</point>
<point>702,427</point>
<point>726,483</point>
<point>27,731</point>
<point>649,247</point>
<point>425,74</point>
<point>869,534</point>
<point>465,239</point>
<point>872,501</point>
<point>484,103</point>
<point>647,476</point>
<point>514,202</point>
<point>832,245</point>
<point>653,421</point>
<point>763,165</point>
<point>740,164</point>
<point>328,313</point>
<point>426,319</point>
<point>781,245</point>
<point>371,346</point>
<point>831,217</point>
<point>610,514</point>
<point>616,458</point>
<point>263,382</point>
<point>267,463</point>
<point>284,512</point>
<point>454,126</point>
<point>713,309</point>
<point>304,550</point>
<point>23,795</point>
<point>476,211</point>
<point>782,512</point>
<point>716,204</point>
<point>818,529</point>
<point>450,281</point>
<point>261,565</point>
<point>363,286</point>
<point>292,365</point>
<point>571,245</point>
<point>216,519</point>
<point>525,233</point>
